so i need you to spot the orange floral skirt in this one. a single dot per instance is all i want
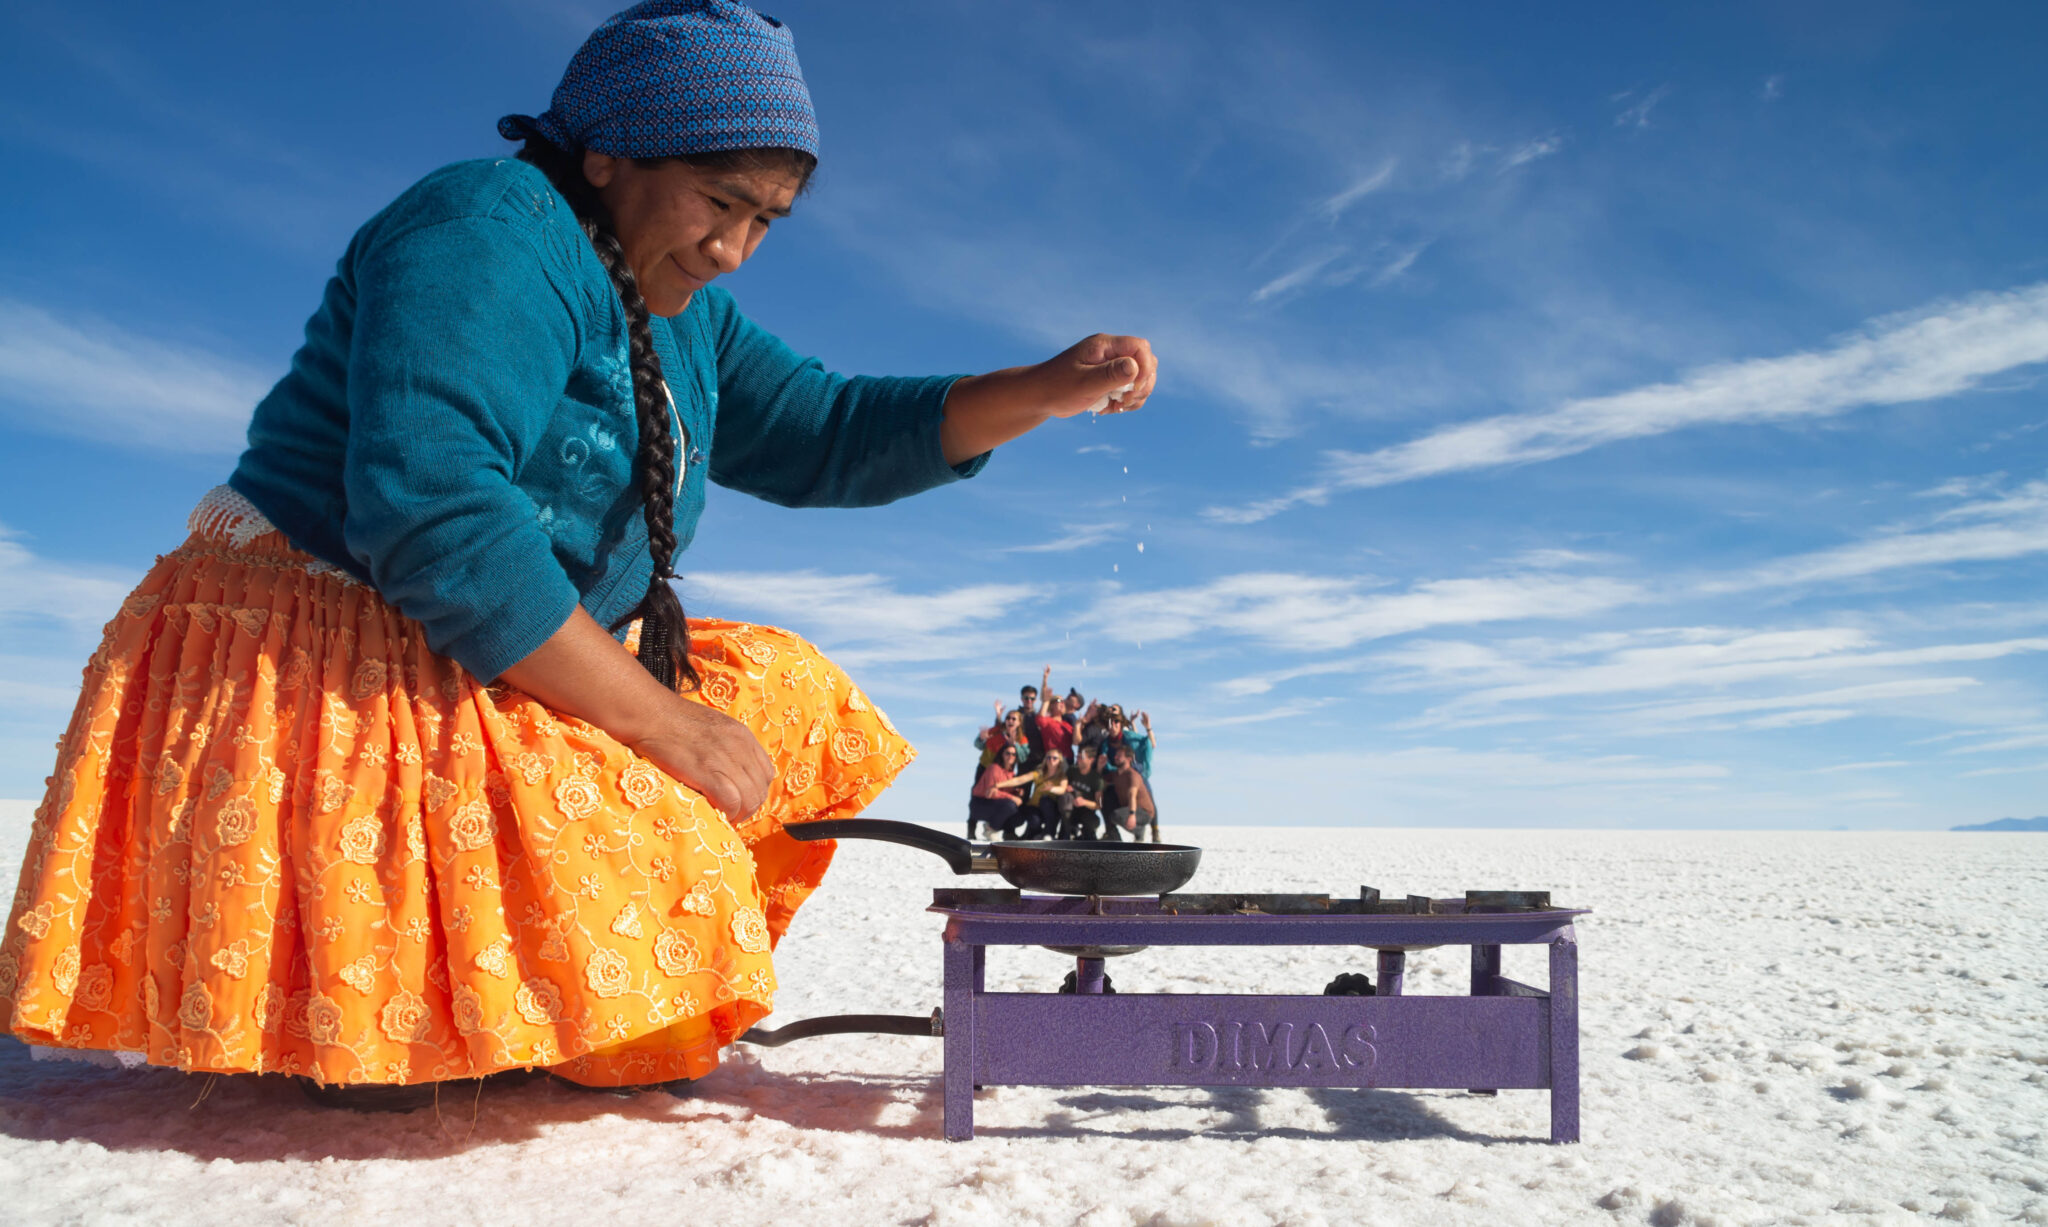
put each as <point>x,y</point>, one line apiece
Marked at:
<point>284,835</point>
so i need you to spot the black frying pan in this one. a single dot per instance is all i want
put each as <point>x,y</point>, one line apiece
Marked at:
<point>1056,866</point>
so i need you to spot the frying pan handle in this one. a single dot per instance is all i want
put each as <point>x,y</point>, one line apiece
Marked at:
<point>962,856</point>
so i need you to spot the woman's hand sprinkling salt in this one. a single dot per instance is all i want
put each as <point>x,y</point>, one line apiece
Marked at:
<point>1102,374</point>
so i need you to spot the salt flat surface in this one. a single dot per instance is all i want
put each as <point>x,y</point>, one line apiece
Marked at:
<point>1779,1027</point>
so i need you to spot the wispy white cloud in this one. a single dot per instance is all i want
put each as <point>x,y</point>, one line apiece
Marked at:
<point>2016,741</point>
<point>1312,613</point>
<point>1773,87</point>
<point>1551,559</point>
<point>1298,276</point>
<point>1398,265</point>
<point>1530,151</point>
<point>1073,537</point>
<point>1499,674</point>
<point>95,380</point>
<point>871,621</point>
<point>35,587</point>
<point>1459,770</point>
<point>1636,114</point>
<point>1336,206</point>
<point>2017,526</point>
<point>1799,719</point>
<point>1941,350</point>
<point>2021,769</point>
<point>1286,711</point>
<point>1801,707</point>
<point>1963,487</point>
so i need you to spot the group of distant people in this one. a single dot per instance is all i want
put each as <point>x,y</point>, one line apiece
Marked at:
<point>1063,767</point>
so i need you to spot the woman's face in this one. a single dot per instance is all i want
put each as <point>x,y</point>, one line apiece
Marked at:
<point>1013,722</point>
<point>682,226</point>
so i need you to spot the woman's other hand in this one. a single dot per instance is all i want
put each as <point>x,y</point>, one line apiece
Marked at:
<point>582,671</point>
<point>709,751</point>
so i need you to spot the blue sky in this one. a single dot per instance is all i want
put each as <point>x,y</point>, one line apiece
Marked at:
<point>1592,416</point>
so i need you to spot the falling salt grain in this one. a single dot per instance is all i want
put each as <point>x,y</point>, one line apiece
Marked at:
<point>1113,567</point>
<point>1141,547</point>
<point>1127,468</point>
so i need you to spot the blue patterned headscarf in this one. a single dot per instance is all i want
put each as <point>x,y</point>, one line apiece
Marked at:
<point>670,77</point>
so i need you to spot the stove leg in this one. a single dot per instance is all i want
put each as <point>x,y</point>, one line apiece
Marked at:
<point>966,967</point>
<point>1485,966</point>
<point>1393,967</point>
<point>1088,976</point>
<point>1564,1039</point>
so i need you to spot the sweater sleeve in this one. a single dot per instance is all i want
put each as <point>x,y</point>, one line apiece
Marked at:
<point>793,433</point>
<point>461,348</point>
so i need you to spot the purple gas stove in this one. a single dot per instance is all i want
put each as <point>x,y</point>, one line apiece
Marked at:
<point>1505,1035</point>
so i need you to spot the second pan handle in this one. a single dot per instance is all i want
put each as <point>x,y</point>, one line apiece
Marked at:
<point>961,855</point>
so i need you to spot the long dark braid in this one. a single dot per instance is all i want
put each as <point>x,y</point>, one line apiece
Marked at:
<point>664,632</point>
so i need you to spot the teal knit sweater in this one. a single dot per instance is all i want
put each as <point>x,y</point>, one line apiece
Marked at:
<point>458,429</point>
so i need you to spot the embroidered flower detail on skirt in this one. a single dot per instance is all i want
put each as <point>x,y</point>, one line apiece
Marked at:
<point>719,690</point>
<point>627,922</point>
<point>269,1008</point>
<point>607,972</point>
<point>750,930</point>
<point>472,827</point>
<point>641,785</point>
<point>492,958</point>
<point>362,840</point>
<point>539,1001</point>
<point>233,959</point>
<point>64,972</point>
<point>849,745</point>
<point>577,798</point>
<point>360,974</point>
<point>405,1018</point>
<point>195,1011</point>
<point>334,793</point>
<point>323,1019</point>
<point>675,953</point>
<point>798,778</point>
<point>698,901</point>
<point>95,987</point>
<point>436,792</point>
<point>369,679</point>
<point>469,1010</point>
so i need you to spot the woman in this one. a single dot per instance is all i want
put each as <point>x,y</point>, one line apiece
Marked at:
<point>994,804</point>
<point>1050,801</point>
<point>1007,730</point>
<point>406,767</point>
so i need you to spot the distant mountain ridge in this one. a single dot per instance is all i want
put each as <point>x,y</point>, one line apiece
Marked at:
<point>2007,824</point>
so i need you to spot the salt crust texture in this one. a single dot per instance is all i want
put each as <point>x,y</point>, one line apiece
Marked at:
<point>1777,1028</point>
